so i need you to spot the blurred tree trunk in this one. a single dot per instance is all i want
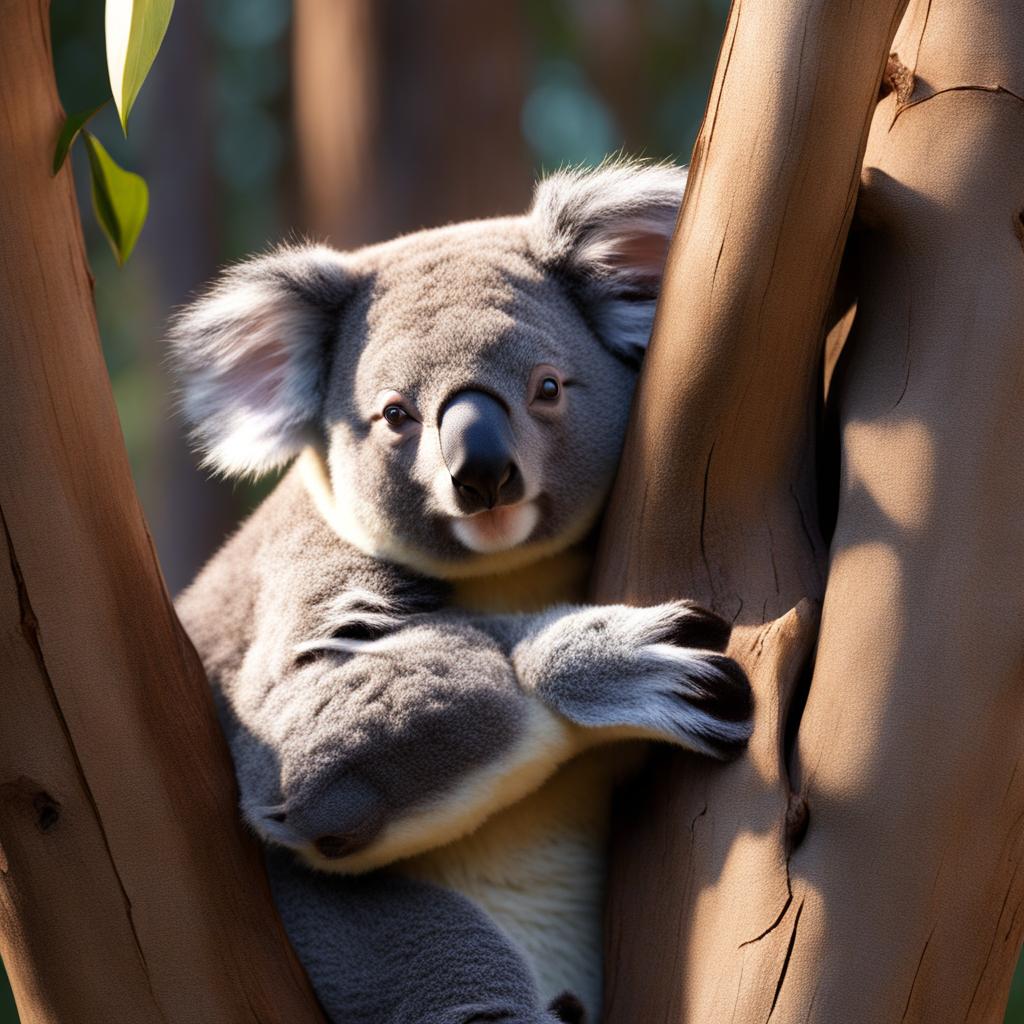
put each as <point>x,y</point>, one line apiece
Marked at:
<point>616,54</point>
<point>190,513</point>
<point>863,864</point>
<point>128,891</point>
<point>407,114</point>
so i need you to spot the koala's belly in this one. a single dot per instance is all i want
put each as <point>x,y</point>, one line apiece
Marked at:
<point>539,868</point>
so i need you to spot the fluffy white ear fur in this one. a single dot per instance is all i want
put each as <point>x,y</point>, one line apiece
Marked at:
<point>251,355</point>
<point>608,230</point>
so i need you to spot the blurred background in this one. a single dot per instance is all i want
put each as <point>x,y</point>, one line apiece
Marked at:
<point>348,121</point>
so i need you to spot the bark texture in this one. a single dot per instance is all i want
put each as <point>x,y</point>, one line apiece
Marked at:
<point>408,114</point>
<point>875,874</point>
<point>127,893</point>
<point>910,885</point>
<point>716,499</point>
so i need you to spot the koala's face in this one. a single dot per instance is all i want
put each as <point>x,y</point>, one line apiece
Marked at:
<point>481,414</point>
<point>469,386</point>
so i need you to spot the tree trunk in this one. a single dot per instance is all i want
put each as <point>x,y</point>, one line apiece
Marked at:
<point>127,890</point>
<point>911,749</point>
<point>408,114</point>
<point>871,874</point>
<point>716,495</point>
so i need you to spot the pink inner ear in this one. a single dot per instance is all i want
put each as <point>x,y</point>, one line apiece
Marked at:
<point>261,372</point>
<point>259,367</point>
<point>639,253</point>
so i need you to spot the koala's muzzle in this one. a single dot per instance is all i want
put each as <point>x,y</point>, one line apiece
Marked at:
<point>478,448</point>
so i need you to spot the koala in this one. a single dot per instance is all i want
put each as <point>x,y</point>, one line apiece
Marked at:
<point>426,719</point>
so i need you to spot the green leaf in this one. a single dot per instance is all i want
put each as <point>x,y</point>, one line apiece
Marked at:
<point>119,198</point>
<point>72,126</point>
<point>135,29</point>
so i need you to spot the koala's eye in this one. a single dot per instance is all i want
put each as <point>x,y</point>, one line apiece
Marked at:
<point>395,415</point>
<point>545,391</point>
<point>548,389</point>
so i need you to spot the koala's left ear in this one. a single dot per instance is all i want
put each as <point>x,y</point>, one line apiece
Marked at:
<point>252,356</point>
<point>607,231</point>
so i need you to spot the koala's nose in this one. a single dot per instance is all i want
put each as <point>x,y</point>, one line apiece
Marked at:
<point>478,448</point>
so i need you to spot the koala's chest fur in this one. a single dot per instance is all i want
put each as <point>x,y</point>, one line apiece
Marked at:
<point>538,868</point>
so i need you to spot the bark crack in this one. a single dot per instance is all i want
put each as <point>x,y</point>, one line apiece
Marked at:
<point>785,962</point>
<point>771,552</point>
<point>803,519</point>
<point>725,73</point>
<point>782,913</point>
<point>913,983</point>
<point>906,354</point>
<point>30,631</point>
<point>704,514</point>
<point>991,945</point>
<point>993,89</point>
<point>920,38</point>
<point>700,814</point>
<point>778,920</point>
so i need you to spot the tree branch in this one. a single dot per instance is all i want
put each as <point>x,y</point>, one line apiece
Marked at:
<point>127,889</point>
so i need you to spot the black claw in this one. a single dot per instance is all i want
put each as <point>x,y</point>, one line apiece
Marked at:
<point>725,750</point>
<point>568,1008</point>
<point>701,628</point>
<point>729,698</point>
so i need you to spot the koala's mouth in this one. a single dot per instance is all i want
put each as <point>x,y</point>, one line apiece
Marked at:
<point>497,529</point>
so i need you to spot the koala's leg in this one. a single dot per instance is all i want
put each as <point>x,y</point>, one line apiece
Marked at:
<point>622,672</point>
<point>385,949</point>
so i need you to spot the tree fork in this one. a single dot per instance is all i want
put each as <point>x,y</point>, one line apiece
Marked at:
<point>716,498</point>
<point>128,891</point>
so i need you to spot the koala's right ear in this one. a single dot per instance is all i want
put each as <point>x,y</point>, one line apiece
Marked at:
<point>607,232</point>
<point>252,356</point>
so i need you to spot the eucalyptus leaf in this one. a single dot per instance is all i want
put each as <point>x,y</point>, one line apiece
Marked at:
<point>135,29</point>
<point>72,126</point>
<point>119,197</point>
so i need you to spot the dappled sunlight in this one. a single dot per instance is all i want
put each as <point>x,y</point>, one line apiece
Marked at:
<point>902,487</point>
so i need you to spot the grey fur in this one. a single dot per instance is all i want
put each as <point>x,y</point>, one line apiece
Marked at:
<point>391,950</point>
<point>369,720</point>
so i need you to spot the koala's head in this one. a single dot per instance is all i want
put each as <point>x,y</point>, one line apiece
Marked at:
<point>468,387</point>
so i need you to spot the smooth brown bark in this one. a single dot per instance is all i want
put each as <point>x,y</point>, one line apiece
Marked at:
<point>127,890</point>
<point>910,885</point>
<point>407,114</point>
<point>716,496</point>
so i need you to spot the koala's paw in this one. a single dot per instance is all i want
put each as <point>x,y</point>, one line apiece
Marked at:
<point>654,672</point>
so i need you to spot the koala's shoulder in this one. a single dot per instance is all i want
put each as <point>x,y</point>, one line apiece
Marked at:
<point>282,564</point>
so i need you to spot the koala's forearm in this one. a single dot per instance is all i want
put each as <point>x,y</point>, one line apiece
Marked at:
<point>391,746</point>
<point>544,743</point>
<point>617,672</point>
<point>369,751</point>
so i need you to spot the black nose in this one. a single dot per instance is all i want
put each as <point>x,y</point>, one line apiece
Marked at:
<point>478,448</point>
